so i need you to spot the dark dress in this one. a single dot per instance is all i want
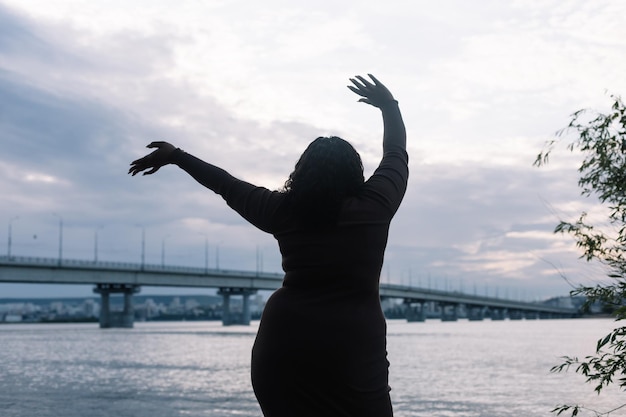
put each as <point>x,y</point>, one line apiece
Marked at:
<point>321,345</point>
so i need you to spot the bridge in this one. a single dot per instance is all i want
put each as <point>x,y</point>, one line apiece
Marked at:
<point>127,278</point>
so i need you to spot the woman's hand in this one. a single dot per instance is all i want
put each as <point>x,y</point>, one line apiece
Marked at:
<point>375,94</point>
<point>154,160</point>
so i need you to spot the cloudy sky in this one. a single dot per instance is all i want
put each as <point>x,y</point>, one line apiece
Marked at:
<point>246,85</point>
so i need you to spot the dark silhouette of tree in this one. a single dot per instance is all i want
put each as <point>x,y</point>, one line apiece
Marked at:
<point>601,139</point>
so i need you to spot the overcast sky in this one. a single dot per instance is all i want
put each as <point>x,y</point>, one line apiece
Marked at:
<point>246,85</point>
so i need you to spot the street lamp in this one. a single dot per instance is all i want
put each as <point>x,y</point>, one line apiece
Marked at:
<point>217,256</point>
<point>163,251</point>
<point>95,244</point>
<point>9,243</point>
<point>206,253</point>
<point>143,245</point>
<point>259,260</point>
<point>60,237</point>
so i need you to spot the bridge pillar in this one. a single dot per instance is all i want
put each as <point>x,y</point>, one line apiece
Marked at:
<point>475,313</point>
<point>245,309</point>
<point>228,318</point>
<point>126,317</point>
<point>415,311</point>
<point>497,314</point>
<point>515,315</point>
<point>225,308</point>
<point>530,315</point>
<point>449,312</point>
<point>105,314</point>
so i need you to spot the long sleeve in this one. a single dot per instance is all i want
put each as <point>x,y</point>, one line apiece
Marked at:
<point>394,131</point>
<point>389,182</point>
<point>258,205</point>
<point>211,176</point>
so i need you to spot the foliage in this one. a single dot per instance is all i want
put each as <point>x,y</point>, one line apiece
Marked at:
<point>601,139</point>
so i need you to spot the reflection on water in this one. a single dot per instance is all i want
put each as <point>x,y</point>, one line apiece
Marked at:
<point>458,369</point>
<point>489,368</point>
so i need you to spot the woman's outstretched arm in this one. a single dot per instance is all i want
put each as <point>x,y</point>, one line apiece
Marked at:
<point>206,174</point>
<point>377,95</point>
<point>255,204</point>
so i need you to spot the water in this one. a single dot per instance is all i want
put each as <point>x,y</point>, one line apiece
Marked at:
<point>458,369</point>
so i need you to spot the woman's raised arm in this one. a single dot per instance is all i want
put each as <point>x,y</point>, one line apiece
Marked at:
<point>377,95</point>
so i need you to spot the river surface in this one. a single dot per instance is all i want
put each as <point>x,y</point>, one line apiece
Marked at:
<point>452,369</point>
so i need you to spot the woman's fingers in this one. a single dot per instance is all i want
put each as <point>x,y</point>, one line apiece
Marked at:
<point>156,144</point>
<point>357,91</point>
<point>378,83</point>
<point>373,94</point>
<point>365,81</point>
<point>148,161</point>
<point>138,161</point>
<point>133,170</point>
<point>137,168</point>
<point>154,160</point>
<point>363,87</point>
<point>152,171</point>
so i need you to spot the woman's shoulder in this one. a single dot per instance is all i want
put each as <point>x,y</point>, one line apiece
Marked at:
<point>387,185</point>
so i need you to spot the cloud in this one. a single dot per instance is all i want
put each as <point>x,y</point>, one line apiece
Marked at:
<point>481,89</point>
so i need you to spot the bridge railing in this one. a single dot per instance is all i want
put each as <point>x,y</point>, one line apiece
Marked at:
<point>128,266</point>
<point>413,294</point>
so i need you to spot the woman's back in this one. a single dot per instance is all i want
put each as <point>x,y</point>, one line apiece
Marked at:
<point>350,253</point>
<point>321,345</point>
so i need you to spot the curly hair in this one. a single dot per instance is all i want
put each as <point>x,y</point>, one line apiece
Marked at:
<point>328,171</point>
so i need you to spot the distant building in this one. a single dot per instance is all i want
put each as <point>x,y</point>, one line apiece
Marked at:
<point>12,318</point>
<point>191,304</point>
<point>577,303</point>
<point>57,308</point>
<point>90,308</point>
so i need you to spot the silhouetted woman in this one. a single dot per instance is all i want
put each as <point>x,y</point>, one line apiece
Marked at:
<point>321,345</point>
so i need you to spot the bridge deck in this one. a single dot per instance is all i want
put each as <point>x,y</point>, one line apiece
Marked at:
<point>69,271</point>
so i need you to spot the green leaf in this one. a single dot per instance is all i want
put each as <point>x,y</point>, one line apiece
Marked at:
<point>603,342</point>
<point>600,139</point>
